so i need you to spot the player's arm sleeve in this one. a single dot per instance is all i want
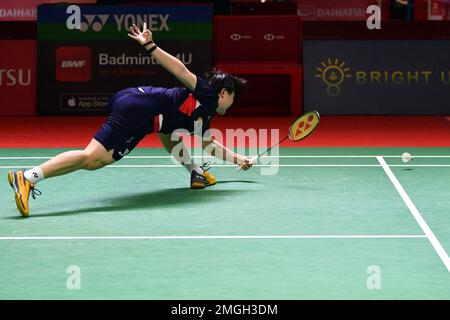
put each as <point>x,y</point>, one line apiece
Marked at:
<point>204,92</point>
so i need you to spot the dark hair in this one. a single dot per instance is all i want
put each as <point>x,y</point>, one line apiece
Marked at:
<point>220,80</point>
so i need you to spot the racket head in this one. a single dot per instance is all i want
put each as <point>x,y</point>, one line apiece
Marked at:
<point>304,126</point>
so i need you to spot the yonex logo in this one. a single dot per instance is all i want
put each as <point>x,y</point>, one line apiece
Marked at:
<point>124,153</point>
<point>95,21</point>
<point>303,126</point>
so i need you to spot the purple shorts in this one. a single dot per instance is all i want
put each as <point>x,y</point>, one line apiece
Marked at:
<point>113,138</point>
<point>127,124</point>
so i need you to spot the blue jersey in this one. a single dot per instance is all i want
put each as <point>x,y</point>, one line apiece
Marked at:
<point>154,109</point>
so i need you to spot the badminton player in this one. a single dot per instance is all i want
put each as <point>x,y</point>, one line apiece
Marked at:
<point>135,112</point>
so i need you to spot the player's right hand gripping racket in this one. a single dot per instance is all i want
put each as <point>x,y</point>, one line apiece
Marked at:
<point>301,128</point>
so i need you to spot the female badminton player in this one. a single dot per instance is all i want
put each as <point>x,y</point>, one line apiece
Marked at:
<point>135,112</point>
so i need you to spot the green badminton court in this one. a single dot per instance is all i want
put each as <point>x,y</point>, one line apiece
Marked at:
<point>332,223</point>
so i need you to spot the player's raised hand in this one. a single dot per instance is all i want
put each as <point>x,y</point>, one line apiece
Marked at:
<point>142,37</point>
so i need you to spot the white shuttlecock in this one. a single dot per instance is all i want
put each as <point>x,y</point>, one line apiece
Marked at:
<point>407,157</point>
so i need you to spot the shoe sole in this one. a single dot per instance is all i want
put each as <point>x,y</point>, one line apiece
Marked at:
<point>196,185</point>
<point>17,196</point>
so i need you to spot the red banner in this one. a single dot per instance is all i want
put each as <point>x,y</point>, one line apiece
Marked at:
<point>334,9</point>
<point>26,10</point>
<point>438,10</point>
<point>17,77</point>
<point>257,39</point>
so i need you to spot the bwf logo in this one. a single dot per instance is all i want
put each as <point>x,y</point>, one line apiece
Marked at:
<point>73,64</point>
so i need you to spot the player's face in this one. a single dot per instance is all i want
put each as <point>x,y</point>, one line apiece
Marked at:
<point>225,101</point>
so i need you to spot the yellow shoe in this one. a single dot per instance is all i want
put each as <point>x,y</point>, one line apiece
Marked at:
<point>198,181</point>
<point>210,179</point>
<point>22,188</point>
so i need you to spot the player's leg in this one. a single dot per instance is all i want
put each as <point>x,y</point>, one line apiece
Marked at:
<point>116,138</point>
<point>200,177</point>
<point>109,144</point>
<point>181,154</point>
<point>94,156</point>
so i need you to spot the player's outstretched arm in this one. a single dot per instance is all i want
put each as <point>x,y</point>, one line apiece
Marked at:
<point>218,150</point>
<point>166,60</point>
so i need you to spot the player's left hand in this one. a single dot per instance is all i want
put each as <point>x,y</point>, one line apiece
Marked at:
<point>141,37</point>
<point>246,163</point>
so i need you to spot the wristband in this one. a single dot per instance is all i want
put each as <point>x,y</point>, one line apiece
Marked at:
<point>152,49</point>
<point>147,43</point>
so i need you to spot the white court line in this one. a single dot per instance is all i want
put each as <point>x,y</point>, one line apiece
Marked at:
<point>420,165</point>
<point>256,165</point>
<point>218,237</point>
<point>215,165</point>
<point>199,157</point>
<point>420,220</point>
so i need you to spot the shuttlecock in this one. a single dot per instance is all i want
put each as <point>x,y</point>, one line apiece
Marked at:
<point>407,157</point>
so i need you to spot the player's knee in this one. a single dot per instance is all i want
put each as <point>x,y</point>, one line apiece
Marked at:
<point>92,162</point>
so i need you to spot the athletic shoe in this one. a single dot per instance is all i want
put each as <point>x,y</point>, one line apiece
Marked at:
<point>198,181</point>
<point>211,180</point>
<point>22,188</point>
